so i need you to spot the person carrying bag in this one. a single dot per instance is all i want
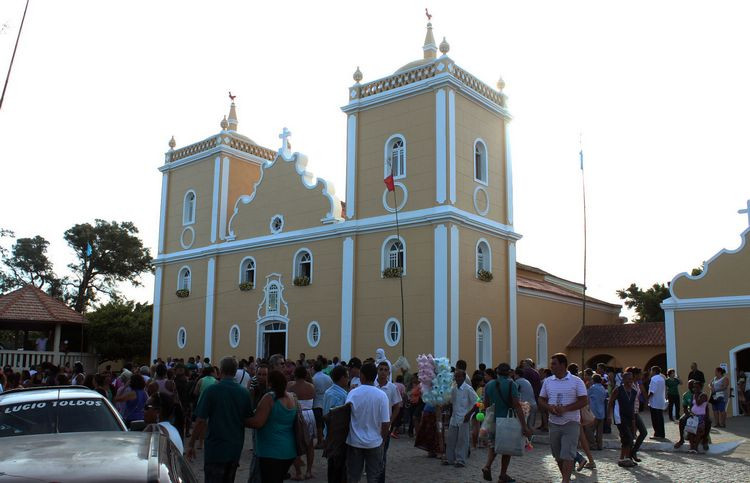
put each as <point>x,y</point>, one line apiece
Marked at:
<point>509,438</point>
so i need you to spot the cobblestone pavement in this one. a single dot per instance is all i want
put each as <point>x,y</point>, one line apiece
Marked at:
<point>408,464</point>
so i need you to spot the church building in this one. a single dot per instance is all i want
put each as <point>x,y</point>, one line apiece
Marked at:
<point>258,256</point>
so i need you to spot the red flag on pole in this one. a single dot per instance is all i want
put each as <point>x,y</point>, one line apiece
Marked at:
<point>389,182</point>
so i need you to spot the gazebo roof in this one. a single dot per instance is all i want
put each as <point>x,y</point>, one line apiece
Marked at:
<point>30,304</point>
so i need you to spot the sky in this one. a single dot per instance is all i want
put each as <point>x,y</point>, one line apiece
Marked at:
<point>655,93</point>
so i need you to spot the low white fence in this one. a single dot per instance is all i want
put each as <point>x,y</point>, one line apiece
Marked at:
<point>20,359</point>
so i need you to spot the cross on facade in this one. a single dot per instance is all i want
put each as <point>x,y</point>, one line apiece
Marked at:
<point>746,211</point>
<point>284,136</point>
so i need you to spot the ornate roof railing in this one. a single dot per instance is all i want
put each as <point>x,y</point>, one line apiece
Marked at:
<point>215,141</point>
<point>423,72</point>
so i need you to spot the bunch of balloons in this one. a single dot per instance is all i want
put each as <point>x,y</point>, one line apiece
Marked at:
<point>436,379</point>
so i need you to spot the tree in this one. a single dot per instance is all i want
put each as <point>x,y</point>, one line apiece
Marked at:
<point>27,264</point>
<point>120,329</point>
<point>108,252</point>
<point>647,303</point>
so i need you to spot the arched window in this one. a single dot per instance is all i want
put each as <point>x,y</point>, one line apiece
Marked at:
<point>184,279</point>
<point>484,343</point>
<point>234,336</point>
<point>247,271</point>
<point>393,255</point>
<point>480,161</point>
<point>272,298</point>
<point>395,157</point>
<point>188,208</point>
<point>484,257</point>
<point>392,332</point>
<point>541,346</point>
<point>303,264</point>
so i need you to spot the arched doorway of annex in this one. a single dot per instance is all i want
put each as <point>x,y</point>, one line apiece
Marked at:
<point>605,359</point>
<point>739,364</point>
<point>272,337</point>
<point>658,360</point>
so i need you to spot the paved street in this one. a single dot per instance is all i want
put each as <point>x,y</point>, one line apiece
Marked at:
<point>407,464</point>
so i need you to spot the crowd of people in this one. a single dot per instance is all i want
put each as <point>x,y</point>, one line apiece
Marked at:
<point>352,409</point>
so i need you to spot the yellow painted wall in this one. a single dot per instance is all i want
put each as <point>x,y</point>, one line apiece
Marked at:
<point>414,118</point>
<point>707,336</point>
<point>562,320</point>
<point>242,178</point>
<point>280,191</point>
<point>483,299</point>
<point>727,275</point>
<point>198,176</point>
<point>188,312</point>
<point>474,121</point>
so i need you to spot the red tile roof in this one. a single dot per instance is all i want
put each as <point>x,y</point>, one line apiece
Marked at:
<point>32,304</point>
<point>544,286</point>
<point>644,334</point>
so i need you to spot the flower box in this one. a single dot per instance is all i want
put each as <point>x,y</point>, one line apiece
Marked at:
<point>393,272</point>
<point>246,286</point>
<point>182,293</point>
<point>484,276</point>
<point>301,281</point>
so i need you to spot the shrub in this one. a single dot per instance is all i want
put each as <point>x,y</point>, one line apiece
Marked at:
<point>393,272</point>
<point>484,275</point>
<point>302,281</point>
<point>182,293</point>
<point>245,286</point>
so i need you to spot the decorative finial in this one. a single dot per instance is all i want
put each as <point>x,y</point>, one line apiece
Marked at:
<point>231,120</point>
<point>286,147</point>
<point>172,143</point>
<point>500,84</point>
<point>357,75</point>
<point>429,47</point>
<point>746,211</point>
<point>231,97</point>
<point>224,123</point>
<point>426,12</point>
<point>444,46</point>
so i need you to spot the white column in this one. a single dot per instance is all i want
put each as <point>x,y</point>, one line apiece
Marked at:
<point>512,311</point>
<point>508,176</point>
<point>440,296</point>
<point>224,199</point>
<point>351,165</point>
<point>347,298</point>
<point>671,339</point>
<point>56,342</point>
<point>452,143</point>
<point>440,145</point>
<point>156,314</point>
<point>454,294</point>
<point>208,332</point>
<point>215,199</point>
<point>163,212</point>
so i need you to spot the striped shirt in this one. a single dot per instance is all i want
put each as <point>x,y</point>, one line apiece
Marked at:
<point>561,392</point>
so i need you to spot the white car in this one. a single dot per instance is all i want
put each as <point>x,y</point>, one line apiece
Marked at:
<point>56,409</point>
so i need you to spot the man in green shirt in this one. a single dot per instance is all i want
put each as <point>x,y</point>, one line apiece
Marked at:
<point>503,393</point>
<point>687,403</point>
<point>223,407</point>
<point>673,395</point>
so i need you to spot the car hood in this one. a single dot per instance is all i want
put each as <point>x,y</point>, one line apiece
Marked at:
<point>97,456</point>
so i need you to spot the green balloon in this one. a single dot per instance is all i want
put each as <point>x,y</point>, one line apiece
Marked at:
<point>480,417</point>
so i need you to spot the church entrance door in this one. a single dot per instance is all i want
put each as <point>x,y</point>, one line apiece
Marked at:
<point>274,339</point>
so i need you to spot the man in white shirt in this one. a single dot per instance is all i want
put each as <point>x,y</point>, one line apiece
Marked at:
<point>369,426</point>
<point>562,396</point>
<point>463,401</point>
<point>242,377</point>
<point>657,401</point>
<point>394,403</point>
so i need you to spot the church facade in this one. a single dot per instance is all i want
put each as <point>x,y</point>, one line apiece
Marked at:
<point>258,256</point>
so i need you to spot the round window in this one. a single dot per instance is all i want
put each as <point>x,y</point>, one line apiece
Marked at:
<point>392,332</point>
<point>181,337</point>
<point>277,223</point>
<point>313,334</point>
<point>234,336</point>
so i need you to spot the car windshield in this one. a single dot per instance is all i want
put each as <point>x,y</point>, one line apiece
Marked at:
<point>61,416</point>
